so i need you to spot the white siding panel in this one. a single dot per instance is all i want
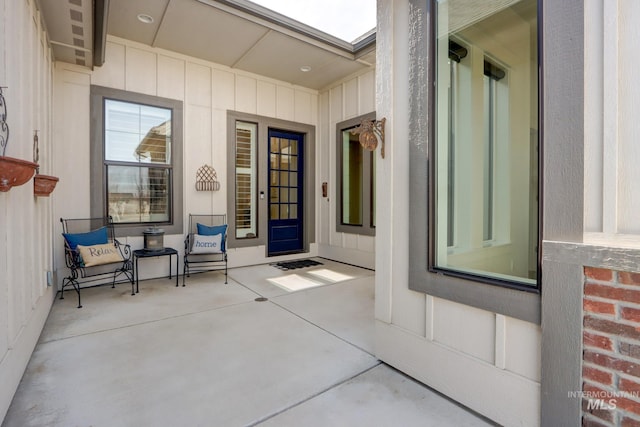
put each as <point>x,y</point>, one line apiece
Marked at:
<point>198,85</point>
<point>629,111</point>
<point>266,99</point>
<point>340,103</point>
<point>303,109</point>
<point>510,400</point>
<point>246,94</point>
<point>593,135</point>
<point>141,71</point>
<point>523,348</point>
<point>285,103</point>
<point>25,221</point>
<point>351,99</point>
<point>366,243</point>
<point>171,77</point>
<point>72,154</point>
<point>199,152</point>
<point>466,329</point>
<point>4,274</point>
<point>315,99</point>
<point>111,73</point>
<point>224,90</point>
<point>350,241</point>
<point>367,91</point>
<point>335,116</point>
<point>219,160</point>
<point>323,168</point>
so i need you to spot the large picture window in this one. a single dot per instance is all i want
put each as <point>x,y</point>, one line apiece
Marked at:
<point>136,160</point>
<point>485,204</point>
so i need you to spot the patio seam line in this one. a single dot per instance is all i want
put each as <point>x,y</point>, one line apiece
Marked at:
<point>346,263</point>
<point>313,396</point>
<point>322,329</point>
<point>144,322</point>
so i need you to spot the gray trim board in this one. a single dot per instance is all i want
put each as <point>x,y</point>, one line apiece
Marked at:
<point>563,208</point>
<point>101,15</point>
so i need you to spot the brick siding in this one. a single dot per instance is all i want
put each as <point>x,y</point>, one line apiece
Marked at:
<point>611,348</point>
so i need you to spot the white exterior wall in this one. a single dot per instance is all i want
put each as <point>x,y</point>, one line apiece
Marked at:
<point>486,361</point>
<point>612,108</point>
<point>345,100</point>
<point>25,221</point>
<point>207,90</point>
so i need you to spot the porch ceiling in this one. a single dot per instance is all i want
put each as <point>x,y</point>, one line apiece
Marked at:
<point>235,33</point>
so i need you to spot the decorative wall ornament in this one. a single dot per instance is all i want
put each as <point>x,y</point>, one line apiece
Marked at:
<point>4,127</point>
<point>13,172</point>
<point>207,179</point>
<point>370,131</point>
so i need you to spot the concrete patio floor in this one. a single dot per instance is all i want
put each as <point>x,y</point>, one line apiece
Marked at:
<point>208,354</point>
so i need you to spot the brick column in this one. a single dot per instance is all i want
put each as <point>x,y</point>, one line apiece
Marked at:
<point>611,348</point>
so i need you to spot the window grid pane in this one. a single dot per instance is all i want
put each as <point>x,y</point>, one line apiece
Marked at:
<point>137,133</point>
<point>138,194</point>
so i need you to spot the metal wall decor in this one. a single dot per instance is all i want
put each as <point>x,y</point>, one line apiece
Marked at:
<point>36,150</point>
<point>370,131</point>
<point>207,179</point>
<point>13,172</point>
<point>4,127</point>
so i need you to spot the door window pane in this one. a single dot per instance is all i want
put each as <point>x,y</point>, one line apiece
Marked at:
<point>485,158</point>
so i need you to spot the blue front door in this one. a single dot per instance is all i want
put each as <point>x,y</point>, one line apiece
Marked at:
<point>285,226</point>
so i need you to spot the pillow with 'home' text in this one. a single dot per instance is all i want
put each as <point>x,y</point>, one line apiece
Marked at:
<point>206,244</point>
<point>212,230</point>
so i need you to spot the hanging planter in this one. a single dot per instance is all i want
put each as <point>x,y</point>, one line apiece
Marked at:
<point>15,172</point>
<point>43,185</point>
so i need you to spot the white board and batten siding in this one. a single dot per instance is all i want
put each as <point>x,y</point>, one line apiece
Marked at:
<point>26,225</point>
<point>207,90</point>
<point>352,97</point>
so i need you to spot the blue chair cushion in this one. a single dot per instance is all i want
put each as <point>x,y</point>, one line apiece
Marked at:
<point>212,230</point>
<point>93,237</point>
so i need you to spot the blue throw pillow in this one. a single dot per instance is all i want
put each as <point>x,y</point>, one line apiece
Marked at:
<point>207,230</point>
<point>94,237</point>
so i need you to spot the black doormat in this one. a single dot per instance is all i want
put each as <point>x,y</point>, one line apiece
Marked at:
<point>292,265</point>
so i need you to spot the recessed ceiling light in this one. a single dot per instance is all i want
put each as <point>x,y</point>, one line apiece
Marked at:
<point>144,18</point>
<point>305,68</point>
